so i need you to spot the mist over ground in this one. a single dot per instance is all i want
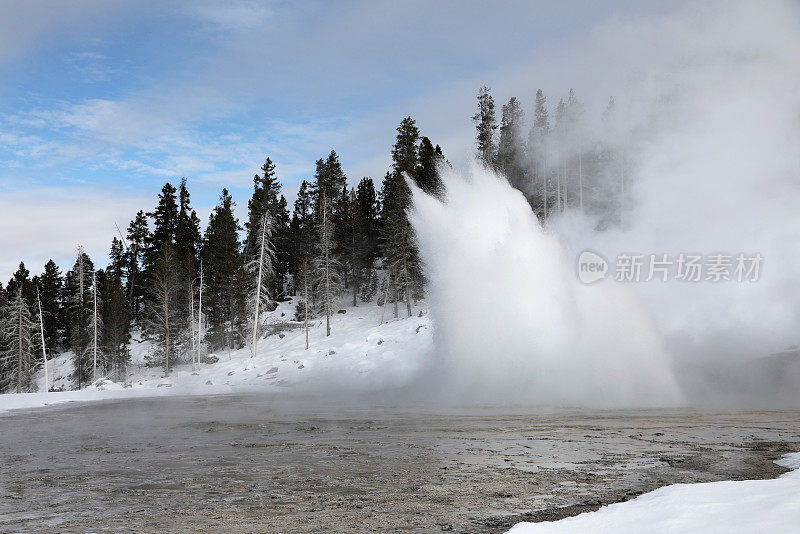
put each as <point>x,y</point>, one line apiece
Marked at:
<point>708,120</point>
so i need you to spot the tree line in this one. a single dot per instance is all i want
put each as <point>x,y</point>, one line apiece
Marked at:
<point>192,292</point>
<point>558,164</point>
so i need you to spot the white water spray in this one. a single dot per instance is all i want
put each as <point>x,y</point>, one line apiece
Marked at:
<point>512,322</point>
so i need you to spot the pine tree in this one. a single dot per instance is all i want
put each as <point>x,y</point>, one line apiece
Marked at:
<point>266,190</point>
<point>485,125</point>
<point>187,233</point>
<point>370,286</point>
<point>18,350</point>
<point>267,200</point>
<point>282,237</point>
<point>165,223</point>
<point>427,175</point>
<point>561,141</point>
<point>301,230</point>
<point>329,180</point>
<point>22,281</point>
<point>226,278</point>
<point>326,266</point>
<point>510,148</point>
<point>162,319</point>
<point>138,237</point>
<point>115,313</point>
<point>187,251</point>
<point>398,241</point>
<point>368,213</point>
<point>405,152</point>
<point>574,117</point>
<point>79,311</point>
<point>538,152</point>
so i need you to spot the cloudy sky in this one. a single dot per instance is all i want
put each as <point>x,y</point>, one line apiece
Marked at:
<point>101,102</point>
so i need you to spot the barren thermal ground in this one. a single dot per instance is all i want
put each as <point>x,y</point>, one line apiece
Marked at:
<point>293,464</point>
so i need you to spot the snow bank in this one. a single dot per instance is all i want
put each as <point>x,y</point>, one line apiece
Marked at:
<point>730,507</point>
<point>360,355</point>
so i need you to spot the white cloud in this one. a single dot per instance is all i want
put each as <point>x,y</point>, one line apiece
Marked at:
<point>41,224</point>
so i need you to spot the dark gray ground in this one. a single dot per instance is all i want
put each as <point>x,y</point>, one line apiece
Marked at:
<point>244,464</point>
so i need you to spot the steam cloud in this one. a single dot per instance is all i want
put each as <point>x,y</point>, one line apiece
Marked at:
<point>710,99</point>
<point>513,323</point>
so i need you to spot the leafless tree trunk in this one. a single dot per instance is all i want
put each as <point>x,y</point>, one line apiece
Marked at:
<point>191,321</point>
<point>305,296</point>
<point>405,275</point>
<point>94,324</point>
<point>200,316</point>
<point>262,244</point>
<point>385,295</point>
<point>44,350</point>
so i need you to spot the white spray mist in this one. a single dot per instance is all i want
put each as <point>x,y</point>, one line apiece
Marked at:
<point>512,322</point>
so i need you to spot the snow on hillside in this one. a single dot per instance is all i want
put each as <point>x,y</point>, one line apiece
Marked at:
<point>360,354</point>
<point>730,507</point>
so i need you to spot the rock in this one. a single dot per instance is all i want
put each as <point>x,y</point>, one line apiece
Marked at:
<point>230,373</point>
<point>342,311</point>
<point>208,383</point>
<point>331,352</point>
<point>209,359</point>
<point>272,370</point>
<point>300,366</point>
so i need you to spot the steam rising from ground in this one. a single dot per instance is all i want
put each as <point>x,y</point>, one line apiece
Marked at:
<point>513,324</point>
<point>713,131</point>
<point>710,105</point>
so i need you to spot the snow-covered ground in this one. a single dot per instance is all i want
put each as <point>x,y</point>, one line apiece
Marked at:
<point>740,507</point>
<point>360,354</point>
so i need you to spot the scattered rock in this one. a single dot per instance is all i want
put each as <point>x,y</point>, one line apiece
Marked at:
<point>331,352</point>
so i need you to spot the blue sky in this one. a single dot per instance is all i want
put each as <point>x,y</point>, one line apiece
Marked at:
<point>101,102</point>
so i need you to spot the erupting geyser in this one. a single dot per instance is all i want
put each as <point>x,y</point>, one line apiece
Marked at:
<point>512,322</point>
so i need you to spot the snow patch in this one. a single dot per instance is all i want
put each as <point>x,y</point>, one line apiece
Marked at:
<point>730,507</point>
<point>360,355</point>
